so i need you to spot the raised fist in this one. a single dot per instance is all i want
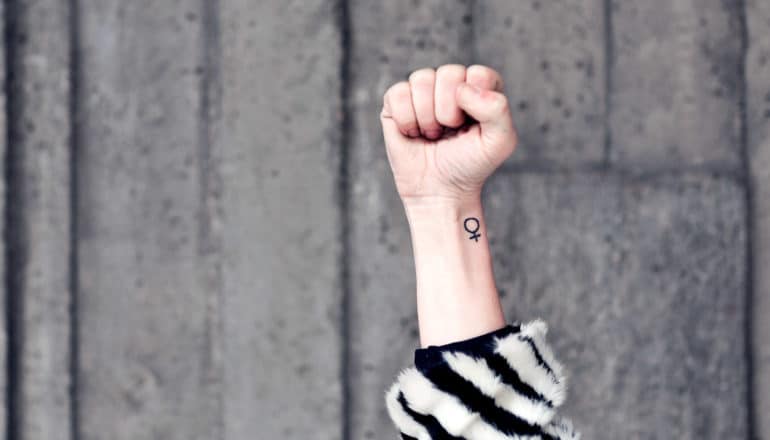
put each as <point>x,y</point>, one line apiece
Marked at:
<point>446,131</point>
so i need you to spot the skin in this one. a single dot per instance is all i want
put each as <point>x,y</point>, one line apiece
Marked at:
<point>446,131</point>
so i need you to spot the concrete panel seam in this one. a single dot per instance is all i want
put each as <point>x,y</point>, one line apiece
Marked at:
<point>11,234</point>
<point>749,218</point>
<point>343,198</point>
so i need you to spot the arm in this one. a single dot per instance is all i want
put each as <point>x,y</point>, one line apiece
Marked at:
<point>440,160</point>
<point>475,376</point>
<point>456,294</point>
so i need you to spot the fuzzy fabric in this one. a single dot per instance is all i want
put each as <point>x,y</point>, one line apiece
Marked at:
<point>502,385</point>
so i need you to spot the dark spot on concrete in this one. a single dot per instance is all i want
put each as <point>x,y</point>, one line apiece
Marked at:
<point>580,97</point>
<point>579,64</point>
<point>523,105</point>
<point>190,16</point>
<point>508,22</point>
<point>590,70</point>
<point>718,92</point>
<point>274,173</point>
<point>414,332</point>
<point>545,127</point>
<point>420,44</point>
<point>384,58</point>
<point>384,228</point>
<point>467,19</point>
<point>567,113</point>
<point>536,6</point>
<point>544,66</point>
<point>556,102</point>
<point>767,113</point>
<point>302,369</point>
<point>502,292</point>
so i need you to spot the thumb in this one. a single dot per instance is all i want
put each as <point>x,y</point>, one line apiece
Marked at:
<point>490,109</point>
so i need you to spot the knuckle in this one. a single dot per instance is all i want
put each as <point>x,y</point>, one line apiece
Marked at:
<point>398,91</point>
<point>452,70</point>
<point>421,75</point>
<point>480,72</point>
<point>484,75</point>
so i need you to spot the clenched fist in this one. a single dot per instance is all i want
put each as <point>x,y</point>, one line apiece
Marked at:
<point>446,131</point>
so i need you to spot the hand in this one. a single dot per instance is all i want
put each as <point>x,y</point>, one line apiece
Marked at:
<point>446,131</point>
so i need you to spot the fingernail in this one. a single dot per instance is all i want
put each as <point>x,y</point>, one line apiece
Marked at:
<point>433,134</point>
<point>413,132</point>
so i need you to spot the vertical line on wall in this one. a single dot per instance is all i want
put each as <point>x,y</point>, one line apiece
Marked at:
<point>343,198</point>
<point>609,59</point>
<point>469,40</point>
<point>13,233</point>
<point>749,225</point>
<point>74,340</point>
<point>210,224</point>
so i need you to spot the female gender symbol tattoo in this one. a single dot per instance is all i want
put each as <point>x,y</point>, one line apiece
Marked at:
<point>474,235</point>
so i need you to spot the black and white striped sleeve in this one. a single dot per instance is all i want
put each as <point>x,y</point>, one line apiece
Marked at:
<point>505,384</point>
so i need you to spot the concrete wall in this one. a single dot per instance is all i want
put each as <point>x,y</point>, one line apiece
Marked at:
<point>203,239</point>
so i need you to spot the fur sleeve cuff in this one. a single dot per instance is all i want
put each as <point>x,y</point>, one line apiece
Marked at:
<point>505,384</point>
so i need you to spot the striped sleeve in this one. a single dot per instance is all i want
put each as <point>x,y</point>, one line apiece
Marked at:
<point>505,384</point>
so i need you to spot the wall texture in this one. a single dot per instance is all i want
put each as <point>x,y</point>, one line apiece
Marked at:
<point>202,239</point>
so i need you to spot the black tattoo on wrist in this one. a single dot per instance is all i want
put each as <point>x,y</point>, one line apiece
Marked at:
<point>471,225</point>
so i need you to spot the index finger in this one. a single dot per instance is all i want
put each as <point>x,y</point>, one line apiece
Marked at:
<point>484,78</point>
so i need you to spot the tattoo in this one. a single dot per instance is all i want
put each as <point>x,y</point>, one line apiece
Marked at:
<point>473,229</point>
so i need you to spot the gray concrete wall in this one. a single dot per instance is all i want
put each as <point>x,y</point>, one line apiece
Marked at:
<point>203,240</point>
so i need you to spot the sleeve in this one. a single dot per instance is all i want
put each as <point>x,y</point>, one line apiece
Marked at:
<point>505,384</point>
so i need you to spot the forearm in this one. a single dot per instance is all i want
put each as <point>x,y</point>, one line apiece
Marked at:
<point>456,294</point>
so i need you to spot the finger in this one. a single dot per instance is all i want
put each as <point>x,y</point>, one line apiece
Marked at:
<point>423,83</point>
<point>484,78</point>
<point>448,77</point>
<point>490,109</point>
<point>390,130</point>
<point>398,107</point>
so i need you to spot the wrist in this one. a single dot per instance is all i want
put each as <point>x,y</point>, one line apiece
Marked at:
<point>440,210</point>
<point>447,230</point>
